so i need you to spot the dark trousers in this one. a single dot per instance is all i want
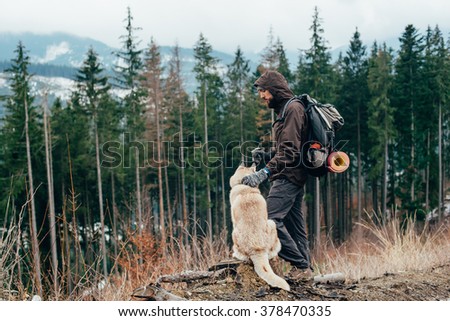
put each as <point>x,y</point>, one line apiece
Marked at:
<point>284,205</point>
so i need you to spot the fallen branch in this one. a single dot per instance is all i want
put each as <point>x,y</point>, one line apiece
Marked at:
<point>155,293</point>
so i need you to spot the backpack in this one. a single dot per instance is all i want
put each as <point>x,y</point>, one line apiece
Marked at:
<point>324,121</point>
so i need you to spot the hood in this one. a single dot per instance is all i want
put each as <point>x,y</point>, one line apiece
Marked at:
<point>277,85</point>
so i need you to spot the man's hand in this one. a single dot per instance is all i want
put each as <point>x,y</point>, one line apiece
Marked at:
<point>253,180</point>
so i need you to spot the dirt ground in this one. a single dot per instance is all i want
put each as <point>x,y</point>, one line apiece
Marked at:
<point>239,282</point>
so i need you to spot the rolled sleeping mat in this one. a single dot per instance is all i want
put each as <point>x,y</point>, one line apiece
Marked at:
<point>338,162</point>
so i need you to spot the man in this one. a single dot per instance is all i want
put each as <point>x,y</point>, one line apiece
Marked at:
<point>286,175</point>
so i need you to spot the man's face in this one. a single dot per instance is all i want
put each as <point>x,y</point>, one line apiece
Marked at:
<point>266,95</point>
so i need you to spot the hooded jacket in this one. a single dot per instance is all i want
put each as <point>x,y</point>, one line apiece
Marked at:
<point>289,133</point>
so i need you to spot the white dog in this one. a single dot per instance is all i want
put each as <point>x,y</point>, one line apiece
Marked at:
<point>254,235</point>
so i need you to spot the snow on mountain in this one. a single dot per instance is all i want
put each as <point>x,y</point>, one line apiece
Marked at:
<point>56,57</point>
<point>58,86</point>
<point>55,50</point>
<point>65,50</point>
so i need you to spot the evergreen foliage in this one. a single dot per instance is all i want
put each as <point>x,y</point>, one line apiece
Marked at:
<point>156,161</point>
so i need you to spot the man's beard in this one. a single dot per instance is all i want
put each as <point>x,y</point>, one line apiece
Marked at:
<point>274,103</point>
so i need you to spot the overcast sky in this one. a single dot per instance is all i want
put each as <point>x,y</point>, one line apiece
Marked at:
<point>226,24</point>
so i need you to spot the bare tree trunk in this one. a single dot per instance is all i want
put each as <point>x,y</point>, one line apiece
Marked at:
<point>66,255</point>
<point>100,200</point>
<point>413,192</point>
<point>441,187</point>
<point>34,231</point>
<point>385,180</point>
<point>138,191</point>
<point>169,206</point>
<point>194,210</point>
<point>374,183</point>
<point>310,203</point>
<point>341,191</point>
<point>241,118</point>
<point>165,159</point>
<point>183,182</point>
<point>317,213</point>
<point>51,199</point>
<point>359,180</point>
<point>413,150</point>
<point>17,258</point>
<point>427,175</point>
<point>365,191</point>
<point>114,217</point>
<point>216,207</point>
<point>76,242</point>
<point>208,189</point>
<point>385,176</point>
<point>349,201</point>
<point>138,195</point>
<point>160,180</point>
<point>76,247</point>
<point>180,100</point>
<point>329,206</point>
<point>224,204</point>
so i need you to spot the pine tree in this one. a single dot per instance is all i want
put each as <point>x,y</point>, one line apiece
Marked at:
<point>152,82</point>
<point>51,195</point>
<point>317,68</point>
<point>128,77</point>
<point>408,85</point>
<point>314,77</point>
<point>353,102</point>
<point>70,126</point>
<point>283,63</point>
<point>20,132</point>
<point>176,96</point>
<point>205,72</point>
<point>92,88</point>
<point>238,77</point>
<point>75,184</point>
<point>269,56</point>
<point>437,83</point>
<point>381,118</point>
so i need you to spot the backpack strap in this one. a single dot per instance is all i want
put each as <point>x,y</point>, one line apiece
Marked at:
<point>283,117</point>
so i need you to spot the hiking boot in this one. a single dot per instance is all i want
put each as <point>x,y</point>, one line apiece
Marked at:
<point>299,274</point>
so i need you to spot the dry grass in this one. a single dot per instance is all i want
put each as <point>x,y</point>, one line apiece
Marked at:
<point>389,248</point>
<point>11,259</point>
<point>382,248</point>
<point>155,261</point>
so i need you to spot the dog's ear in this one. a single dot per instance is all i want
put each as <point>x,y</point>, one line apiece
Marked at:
<point>253,166</point>
<point>242,164</point>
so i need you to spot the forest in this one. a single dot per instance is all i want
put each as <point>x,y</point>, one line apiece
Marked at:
<point>101,188</point>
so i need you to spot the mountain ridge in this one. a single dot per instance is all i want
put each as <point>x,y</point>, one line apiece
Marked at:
<point>66,49</point>
<point>59,55</point>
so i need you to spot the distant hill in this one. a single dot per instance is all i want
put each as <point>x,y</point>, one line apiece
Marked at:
<point>68,50</point>
<point>55,48</point>
<point>55,58</point>
<point>60,54</point>
<point>47,70</point>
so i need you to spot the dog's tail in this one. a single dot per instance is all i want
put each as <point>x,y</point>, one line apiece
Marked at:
<point>265,272</point>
